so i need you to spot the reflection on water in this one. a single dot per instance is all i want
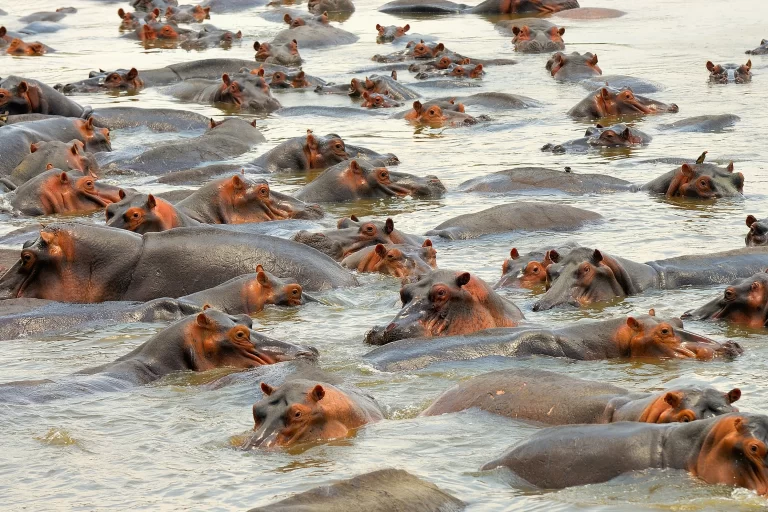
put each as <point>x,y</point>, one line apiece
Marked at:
<point>169,445</point>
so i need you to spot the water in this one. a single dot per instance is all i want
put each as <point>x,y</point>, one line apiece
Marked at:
<point>168,446</point>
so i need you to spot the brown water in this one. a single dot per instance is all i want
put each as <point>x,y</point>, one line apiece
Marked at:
<point>167,446</point>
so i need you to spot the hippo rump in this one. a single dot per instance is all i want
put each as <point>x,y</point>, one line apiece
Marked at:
<point>61,263</point>
<point>325,412</point>
<point>725,450</point>
<point>384,490</point>
<point>743,302</point>
<point>223,140</point>
<point>617,136</point>
<point>586,276</point>
<point>446,303</point>
<point>554,399</point>
<point>69,156</point>
<point>513,217</point>
<point>352,181</point>
<point>199,342</point>
<point>26,96</point>
<point>16,140</point>
<point>607,101</point>
<point>644,337</point>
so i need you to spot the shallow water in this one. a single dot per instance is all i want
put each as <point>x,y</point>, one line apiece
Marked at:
<point>168,446</point>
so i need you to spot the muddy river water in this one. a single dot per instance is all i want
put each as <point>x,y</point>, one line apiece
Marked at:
<point>169,446</point>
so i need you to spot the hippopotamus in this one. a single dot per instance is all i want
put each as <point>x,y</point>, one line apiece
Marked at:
<point>56,192</point>
<point>540,178</point>
<point>396,236</point>
<point>70,262</point>
<point>638,85</point>
<point>405,262</point>
<point>302,411</point>
<point>300,20</point>
<point>698,180</point>
<point>415,50</point>
<point>69,156</point>
<point>285,54</point>
<point>729,73</point>
<point>644,337</point>
<point>223,140</point>
<point>353,180</point>
<point>300,80</point>
<point>16,139</point>
<point>494,100</point>
<point>434,116</point>
<point>516,7</point>
<point>240,92</point>
<point>727,449</point>
<point>374,100</point>
<point>19,47</point>
<point>607,101</point>
<point>199,342</point>
<point>586,275</point>
<point>211,37</point>
<point>116,81</point>
<point>617,136</point>
<point>513,217</point>
<point>760,50</point>
<point>352,236</point>
<point>758,231</point>
<point>155,119</point>
<point>236,200</point>
<point>573,67</point>
<point>187,14</point>
<point>313,35</point>
<point>529,40</point>
<point>708,123</point>
<point>443,63</point>
<point>25,96</point>
<point>57,15</point>
<point>379,491</point>
<point>530,271</point>
<point>555,399</point>
<point>446,303</point>
<point>454,71</point>
<point>744,302</point>
<point>387,34</point>
<point>380,84</point>
<point>316,152</point>
<point>164,34</point>
<point>339,8</point>
<point>144,213</point>
<point>130,21</point>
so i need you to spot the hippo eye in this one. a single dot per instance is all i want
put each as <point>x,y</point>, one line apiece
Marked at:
<point>264,191</point>
<point>665,331</point>
<point>135,215</point>
<point>432,111</point>
<point>753,448</point>
<point>27,257</point>
<point>586,268</point>
<point>240,335</point>
<point>384,174</point>
<point>685,419</point>
<point>294,292</point>
<point>703,183</point>
<point>536,270</point>
<point>297,414</point>
<point>89,184</point>
<point>339,146</point>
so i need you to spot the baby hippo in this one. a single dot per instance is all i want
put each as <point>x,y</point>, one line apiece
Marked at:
<point>446,303</point>
<point>303,411</point>
<point>402,261</point>
<point>729,73</point>
<point>555,399</point>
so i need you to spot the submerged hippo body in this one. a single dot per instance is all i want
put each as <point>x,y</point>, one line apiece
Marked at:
<point>556,399</point>
<point>540,178</point>
<point>586,276</point>
<point>708,123</point>
<point>405,262</point>
<point>617,136</point>
<point>57,192</point>
<point>315,35</point>
<point>513,217</point>
<point>446,303</point>
<point>200,342</point>
<point>225,140</point>
<point>613,102</point>
<point>16,139</point>
<point>352,180</point>
<point>744,302</point>
<point>61,155</point>
<point>718,451</point>
<point>156,119</point>
<point>645,337</point>
<point>179,261</point>
<point>487,7</point>
<point>302,411</point>
<point>29,96</point>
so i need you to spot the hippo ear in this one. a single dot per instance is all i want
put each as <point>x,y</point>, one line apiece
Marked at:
<point>440,47</point>
<point>63,178</point>
<point>132,73</point>
<point>366,95</point>
<point>751,220</point>
<point>605,94</point>
<point>120,12</point>
<point>121,194</point>
<point>593,60</point>
<point>262,278</point>
<point>627,133</point>
<point>354,218</point>
<point>203,321</point>
<point>48,166</point>
<point>597,256</point>
<point>687,171</point>
<point>317,393</point>
<point>311,141</point>
<point>380,250</point>
<point>748,65</point>
<point>406,28</point>
<point>553,255</point>
<point>48,237</point>
<point>389,226</point>
<point>730,167</point>
<point>514,253</point>
<point>739,424</point>
<point>238,182</point>
<point>378,26</point>
<point>417,106</point>
<point>207,11</point>
<point>33,147</point>
<point>462,279</point>
<point>168,11</point>
<point>74,149</point>
<point>427,243</point>
<point>515,30</point>
<point>260,72</point>
<point>561,31</point>
<point>733,395</point>
<point>674,398</point>
<point>89,124</point>
<point>206,306</point>
<point>253,123</point>
<point>151,202</point>
<point>156,12</point>
<point>225,78</point>
<point>651,312</point>
<point>22,87</point>
<point>633,324</point>
<point>710,66</point>
<point>598,125</point>
<point>287,18</point>
<point>212,123</point>
<point>355,167</point>
<point>256,46</point>
<point>267,389</point>
<point>259,268</point>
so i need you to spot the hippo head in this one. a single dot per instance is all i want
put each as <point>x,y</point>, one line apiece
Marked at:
<point>24,98</point>
<point>340,243</point>
<point>242,200</point>
<point>128,81</point>
<point>322,152</point>
<point>689,403</point>
<point>647,336</point>
<point>729,73</point>
<point>263,50</point>
<point>213,339</point>
<point>198,12</point>
<point>243,94</point>
<point>538,41</point>
<point>705,181</point>
<point>760,50</point>
<point>390,33</point>
<point>96,139</point>
<point>279,81</point>
<point>744,303</point>
<point>76,157</point>
<point>574,65</point>
<point>299,80</point>
<point>387,226</point>
<point>128,20</point>
<point>583,277</point>
<point>532,274</point>
<point>734,452</point>
<point>758,232</point>
<point>71,192</point>
<point>403,263</point>
<point>468,71</point>
<point>167,31</point>
<point>613,102</point>
<point>19,47</point>
<point>619,135</point>
<point>434,116</point>
<point>422,50</point>
<point>445,303</point>
<point>374,100</point>
<point>301,411</point>
<point>142,213</point>
<point>268,289</point>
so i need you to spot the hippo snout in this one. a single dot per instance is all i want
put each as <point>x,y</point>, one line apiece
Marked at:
<point>731,349</point>
<point>674,108</point>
